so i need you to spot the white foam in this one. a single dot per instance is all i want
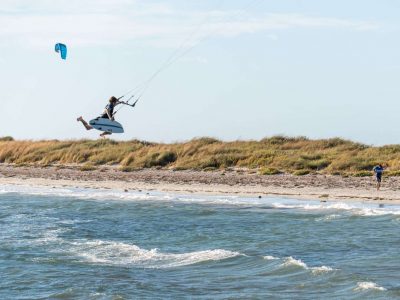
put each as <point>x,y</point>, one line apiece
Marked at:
<point>290,261</point>
<point>107,194</point>
<point>50,236</point>
<point>332,208</point>
<point>83,193</point>
<point>328,218</point>
<point>360,209</point>
<point>117,253</point>
<point>270,257</point>
<point>314,206</point>
<point>367,212</point>
<point>368,285</point>
<point>96,295</point>
<point>322,269</point>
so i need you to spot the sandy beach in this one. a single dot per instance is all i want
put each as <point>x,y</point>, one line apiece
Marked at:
<point>234,182</point>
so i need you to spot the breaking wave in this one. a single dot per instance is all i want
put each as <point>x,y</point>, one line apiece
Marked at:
<point>367,285</point>
<point>292,262</point>
<point>117,253</point>
<point>333,208</point>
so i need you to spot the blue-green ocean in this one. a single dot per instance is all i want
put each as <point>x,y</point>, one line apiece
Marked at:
<point>73,243</point>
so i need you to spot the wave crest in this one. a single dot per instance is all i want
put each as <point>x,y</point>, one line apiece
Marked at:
<point>292,262</point>
<point>368,285</point>
<point>117,253</point>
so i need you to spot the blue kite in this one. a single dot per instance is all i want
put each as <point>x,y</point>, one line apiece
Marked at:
<point>62,49</point>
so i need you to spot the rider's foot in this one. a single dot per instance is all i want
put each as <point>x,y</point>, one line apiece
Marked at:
<point>79,119</point>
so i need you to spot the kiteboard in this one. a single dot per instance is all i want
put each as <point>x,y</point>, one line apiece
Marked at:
<point>106,125</point>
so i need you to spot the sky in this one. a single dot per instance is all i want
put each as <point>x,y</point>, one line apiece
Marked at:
<point>229,69</point>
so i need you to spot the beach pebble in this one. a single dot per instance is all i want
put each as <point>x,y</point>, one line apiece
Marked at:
<point>125,190</point>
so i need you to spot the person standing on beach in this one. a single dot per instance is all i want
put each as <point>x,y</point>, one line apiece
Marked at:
<point>378,170</point>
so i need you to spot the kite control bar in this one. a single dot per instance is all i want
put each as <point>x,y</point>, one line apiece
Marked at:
<point>131,105</point>
<point>126,102</point>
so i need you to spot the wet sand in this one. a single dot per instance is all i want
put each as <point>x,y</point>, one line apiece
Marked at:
<point>233,182</point>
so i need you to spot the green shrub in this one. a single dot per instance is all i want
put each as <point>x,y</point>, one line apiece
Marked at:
<point>180,168</point>
<point>392,173</point>
<point>203,141</point>
<point>269,171</point>
<point>160,159</point>
<point>362,174</point>
<point>128,169</point>
<point>87,167</point>
<point>209,169</point>
<point>301,172</point>
<point>210,163</point>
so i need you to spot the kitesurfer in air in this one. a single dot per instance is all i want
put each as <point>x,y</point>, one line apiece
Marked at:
<point>108,113</point>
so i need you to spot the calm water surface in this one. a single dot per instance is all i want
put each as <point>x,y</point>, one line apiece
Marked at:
<point>104,244</point>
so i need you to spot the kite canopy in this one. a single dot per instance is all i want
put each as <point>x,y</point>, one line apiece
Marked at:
<point>62,49</point>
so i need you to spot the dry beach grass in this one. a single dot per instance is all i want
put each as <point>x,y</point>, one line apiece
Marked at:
<point>329,169</point>
<point>269,156</point>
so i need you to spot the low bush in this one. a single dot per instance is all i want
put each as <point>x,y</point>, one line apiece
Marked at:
<point>301,172</point>
<point>269,171</point>
<point>362,174</point>
<point>87,167</point>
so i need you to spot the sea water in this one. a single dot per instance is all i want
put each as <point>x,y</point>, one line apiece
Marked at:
<point>75,243</point>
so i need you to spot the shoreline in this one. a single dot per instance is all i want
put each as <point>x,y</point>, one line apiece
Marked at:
<point>239,182</point>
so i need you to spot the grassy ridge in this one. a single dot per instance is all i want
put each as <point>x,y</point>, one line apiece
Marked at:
<point>273,155</point>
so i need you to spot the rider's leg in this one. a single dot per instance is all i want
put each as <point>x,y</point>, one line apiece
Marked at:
<point>103,135</point>
<point>87,126</point>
